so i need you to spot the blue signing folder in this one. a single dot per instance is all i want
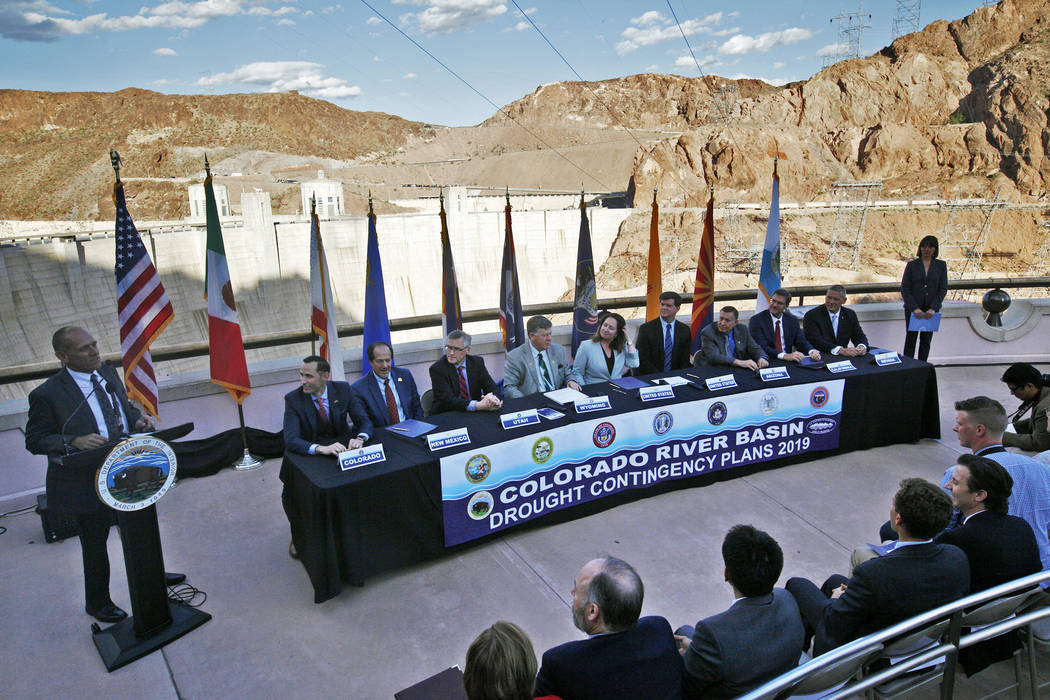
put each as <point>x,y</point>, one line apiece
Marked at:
<point>929,325</point>
<point>411,428</point>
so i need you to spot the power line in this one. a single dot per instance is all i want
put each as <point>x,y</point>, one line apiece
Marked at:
<point>482,96</point>
<point>685,38</point>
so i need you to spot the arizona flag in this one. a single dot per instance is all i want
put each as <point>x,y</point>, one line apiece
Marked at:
<point>769,277</point>
<point>322,310</point>
<point>451,317</point>
<point>511,321</point>
<point>143,308</point>
<point>585,299</point>
<point>704,286</point>
<point>377,322</point>
<point>229,369</point>
<point>654,283</point>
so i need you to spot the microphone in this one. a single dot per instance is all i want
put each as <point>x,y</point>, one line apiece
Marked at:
<point>80,405</point>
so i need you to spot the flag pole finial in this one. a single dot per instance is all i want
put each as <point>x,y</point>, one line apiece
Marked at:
<point>508,195</point>
<point>370,212</point>
<point>207,166</point>
<point>654,195</point>
<point>441,196</point>
<point>313,204</point>
<point>114,160</point>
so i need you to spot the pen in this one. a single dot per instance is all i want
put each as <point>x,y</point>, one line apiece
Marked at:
<point>617,389</point>
<point>400,430</point>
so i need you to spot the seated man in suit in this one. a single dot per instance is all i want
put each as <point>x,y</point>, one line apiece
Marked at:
<point>82,407</point>
<point>758,638</point>
<point>538,365</point>
<point>999,547</point>
<point>316,414</point>
<point>832,327</point>
<point>777,331</point>
<point>384,396</point>
<point>460,381</point>
<point>663,343</point>
<point>916,576</point>
<point>623,657</point>
<point>726,342</point>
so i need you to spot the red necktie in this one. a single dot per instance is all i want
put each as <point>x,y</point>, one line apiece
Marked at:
<point>778,344</point>
<point>321,410</point>
<point>391,405</point>
<point>463,392</point>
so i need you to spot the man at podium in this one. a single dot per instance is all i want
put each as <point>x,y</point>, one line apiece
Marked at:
<point>81,407</point>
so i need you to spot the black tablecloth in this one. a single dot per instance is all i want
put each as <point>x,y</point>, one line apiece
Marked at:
<point>349,526</point>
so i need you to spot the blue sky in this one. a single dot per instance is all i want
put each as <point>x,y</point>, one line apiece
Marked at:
<point>345,53</point>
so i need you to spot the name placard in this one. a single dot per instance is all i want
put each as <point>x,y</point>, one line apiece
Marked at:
<point>726,381</point>
<point>843,366</point>
<point>655,393</point>
<point>352,459</point>
<point>769,374</point>
<point>519,419</point>
<point>887,358</point>
<point>448,438</point>
<point>592,404</point>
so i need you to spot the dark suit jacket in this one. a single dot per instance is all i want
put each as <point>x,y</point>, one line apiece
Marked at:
<point>886,590</point>
<point>713,351</point>
<point>922,290</point>
<point>817,325</point>
<point>444,380</point>
<point>300,418</point>
<point>752,642</point>
<point>51,404</point>
<point>761,327</point>
<point>650,345</point>
<point>368,402</point>
<point>642,662</point>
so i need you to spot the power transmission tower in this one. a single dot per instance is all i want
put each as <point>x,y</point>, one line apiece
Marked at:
<point>851,26</point>
<point>852,200</point>
<point>906,18</point>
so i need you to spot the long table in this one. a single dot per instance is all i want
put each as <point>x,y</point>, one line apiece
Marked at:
<point>349,526</point>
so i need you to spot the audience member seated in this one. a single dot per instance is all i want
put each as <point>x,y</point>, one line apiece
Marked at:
<point>607,354</point>
<point>726,342</point>
<point>831,327</point>
<point>999,547</point>
<point>777,331</point>
<point>916,576</point>
<point>1033,388</point>
<point>501,664</point>
<point>624,656</point>
<point>663,343</point>
<point>758,638</point>
<point>385,396</point>
<point>460,380</point>
<point>538,365</point>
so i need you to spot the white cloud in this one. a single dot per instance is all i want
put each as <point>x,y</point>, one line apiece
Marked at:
<point>744,43</point>
<point>706,62</point>
<point>777,65</point>
<point>165,52</point>
<point>771,81</point>
<point>285,22</point>
<point>447,16</point>
<point>409,76</point>
<point>832,49</point>
<point>653,28</point>
<point>280,76</point>
<point>522,26</point>
<point>373,20</point>
<point>376,59</point>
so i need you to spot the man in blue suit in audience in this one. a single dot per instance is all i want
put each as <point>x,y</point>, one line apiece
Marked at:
<point>777,331</point>
<point>623,657</point>
<point>758,638</point>
<point>384,396</point>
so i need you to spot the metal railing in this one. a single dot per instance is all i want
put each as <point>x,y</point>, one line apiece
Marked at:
<point>40,370</point>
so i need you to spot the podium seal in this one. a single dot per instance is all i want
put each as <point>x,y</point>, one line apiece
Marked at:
<point>136,474</point>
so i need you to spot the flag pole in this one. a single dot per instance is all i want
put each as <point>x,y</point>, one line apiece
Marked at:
<point>313,334</point>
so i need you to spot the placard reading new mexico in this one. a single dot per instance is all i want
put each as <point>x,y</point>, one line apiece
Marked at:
<point>486,489</point>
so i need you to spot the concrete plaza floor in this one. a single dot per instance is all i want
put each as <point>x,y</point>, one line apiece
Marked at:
<point>268,639</point>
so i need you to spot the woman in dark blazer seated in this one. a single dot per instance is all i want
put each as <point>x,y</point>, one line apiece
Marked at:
<point>923,288</point>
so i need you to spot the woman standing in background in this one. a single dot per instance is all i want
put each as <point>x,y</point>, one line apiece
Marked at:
<point>923,287</point>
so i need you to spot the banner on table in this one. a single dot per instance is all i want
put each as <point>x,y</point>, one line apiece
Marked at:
<point>491,488</point>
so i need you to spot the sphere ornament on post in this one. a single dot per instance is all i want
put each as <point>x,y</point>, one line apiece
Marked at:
<point>995,302</point>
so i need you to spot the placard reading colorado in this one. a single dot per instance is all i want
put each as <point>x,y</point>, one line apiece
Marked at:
<point>494,487</point>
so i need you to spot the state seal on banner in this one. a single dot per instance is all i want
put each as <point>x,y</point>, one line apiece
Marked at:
<point>542,450</point>
<point>477,469</point>
<point>717,413</point>
<point>818,397</point>
<point>480,505</point>
<point>136,474</point>
<point>769,403</point>
<point>604,434</point>
<point>662,422</point>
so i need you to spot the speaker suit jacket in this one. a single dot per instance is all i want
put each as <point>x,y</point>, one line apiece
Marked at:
<point>650,346</point>
<point>819,331</point>
<point>301,419</point>
<point>761,327</point>
<point>444,380</point>
<point>368,402</point>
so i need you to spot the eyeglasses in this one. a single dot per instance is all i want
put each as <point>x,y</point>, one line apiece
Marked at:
<point>453,348</point>
<point>1014,389</point>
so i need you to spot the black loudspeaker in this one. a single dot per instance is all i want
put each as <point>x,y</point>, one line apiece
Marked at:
<point>57,524</point>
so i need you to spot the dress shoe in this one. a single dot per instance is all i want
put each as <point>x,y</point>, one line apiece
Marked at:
<point>173,579</point>
<point>107,613</point>
<point>292,551</point>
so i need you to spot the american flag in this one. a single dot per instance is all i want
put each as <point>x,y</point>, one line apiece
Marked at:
<point>143,309</point>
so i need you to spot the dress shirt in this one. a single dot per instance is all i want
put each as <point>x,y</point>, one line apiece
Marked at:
<point>327,410</point>
<point>461,374</point>
<point>778,327</point>
<point>536,355</point>
<point>83,380</point>
<point>898,544</point>
<point>382,392</point>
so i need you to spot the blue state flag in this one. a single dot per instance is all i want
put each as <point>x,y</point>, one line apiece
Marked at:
<point>769,277</point>
<point>377,322</point>
<point>511,320</point>
<point>585,301</point>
